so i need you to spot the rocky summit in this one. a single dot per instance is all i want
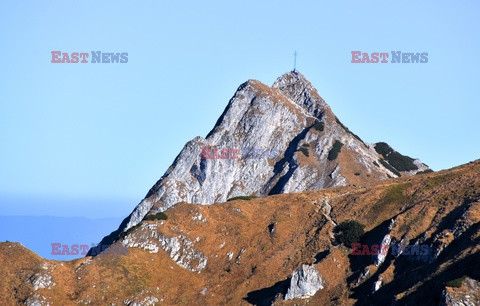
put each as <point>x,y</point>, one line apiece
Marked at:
<point>307,146</point>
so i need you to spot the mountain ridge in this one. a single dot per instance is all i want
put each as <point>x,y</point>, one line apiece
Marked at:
<point>256,251</point>
<point>289,116</point>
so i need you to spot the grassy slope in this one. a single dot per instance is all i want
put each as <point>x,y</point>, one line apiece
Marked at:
<point>431,202</point>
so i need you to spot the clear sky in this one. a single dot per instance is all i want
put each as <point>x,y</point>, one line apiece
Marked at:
<point>91,139</point>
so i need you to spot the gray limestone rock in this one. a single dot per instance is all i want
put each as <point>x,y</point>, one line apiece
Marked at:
<point>305,282</point>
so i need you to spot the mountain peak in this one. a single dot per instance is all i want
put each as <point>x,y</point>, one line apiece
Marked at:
<point>297,88</point>
<point>290,77</point>
<point>299,145</point>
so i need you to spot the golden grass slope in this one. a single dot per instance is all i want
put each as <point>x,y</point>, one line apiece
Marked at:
<point>254,246</point>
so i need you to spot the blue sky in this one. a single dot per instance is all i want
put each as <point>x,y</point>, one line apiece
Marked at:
<point>91,139</point>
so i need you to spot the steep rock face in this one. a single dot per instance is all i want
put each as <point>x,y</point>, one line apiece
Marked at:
<point>290,118</point>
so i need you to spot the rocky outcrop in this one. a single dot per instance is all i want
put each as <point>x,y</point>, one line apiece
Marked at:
<point>43,279</point>
<point>40,281</point>
<point>36,300</point>
<point>467,295</point>
<point>363,276</point>
<point>141,301</point>
<point>377,284</point>
<point>305,282</point>
<point>380,258</point>
<point>180,248</point>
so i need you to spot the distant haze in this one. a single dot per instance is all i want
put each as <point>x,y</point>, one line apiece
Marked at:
<point>38,233</point>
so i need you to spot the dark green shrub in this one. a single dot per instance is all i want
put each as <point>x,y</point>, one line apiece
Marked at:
<point>349,232</point>
<point>395,159</point>
<point>383,148</point>
<point>304,150</point>
<point>337,146</point>
<point>457,283</point>
<point>389,167</point>
<point>157,216</point>
<point>425,171</point>
<point>243,198</point>
<point>319,126</point>
<point>122,235</point>
<point>357,173</point>
<point>401,162</point>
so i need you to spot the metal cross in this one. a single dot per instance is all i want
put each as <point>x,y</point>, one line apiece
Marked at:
<point>295,61</point>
